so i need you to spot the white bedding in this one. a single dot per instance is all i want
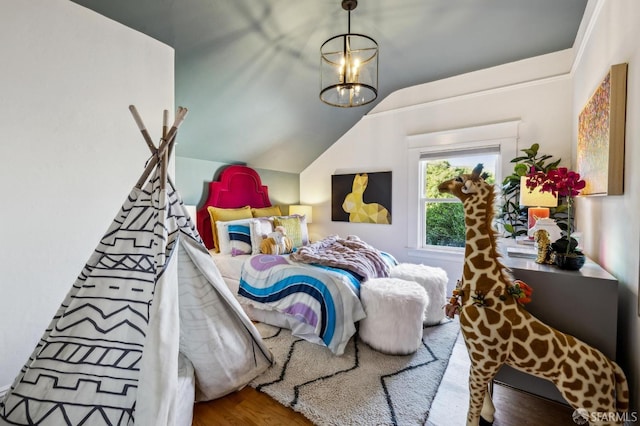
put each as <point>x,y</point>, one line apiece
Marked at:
<point>230,268</point>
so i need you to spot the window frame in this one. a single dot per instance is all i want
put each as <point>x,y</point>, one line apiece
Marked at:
<point>502,135</point>
<point>492,149</point>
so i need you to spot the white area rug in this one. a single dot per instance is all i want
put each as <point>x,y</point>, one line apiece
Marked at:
<point>361,387</point>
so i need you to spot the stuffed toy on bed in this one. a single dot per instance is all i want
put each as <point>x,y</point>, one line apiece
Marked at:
<point>277,242</point>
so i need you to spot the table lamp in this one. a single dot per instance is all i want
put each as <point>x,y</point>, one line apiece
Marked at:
<point>302,210</point>
<point>537,201</point>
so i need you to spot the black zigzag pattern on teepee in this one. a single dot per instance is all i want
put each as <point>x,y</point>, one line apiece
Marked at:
<point>88,360</point>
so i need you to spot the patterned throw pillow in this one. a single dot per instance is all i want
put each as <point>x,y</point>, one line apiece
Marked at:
<point>239,239</point>
<point>224,215</point>
<point>296,227</point>
<point>234,237</point>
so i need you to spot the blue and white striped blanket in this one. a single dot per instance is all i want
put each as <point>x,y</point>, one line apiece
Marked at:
<point>326,300</point>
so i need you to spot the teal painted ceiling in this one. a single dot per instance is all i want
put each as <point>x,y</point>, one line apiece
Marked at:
<point>248,70</point>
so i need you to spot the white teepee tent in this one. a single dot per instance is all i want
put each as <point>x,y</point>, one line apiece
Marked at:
<point>149,304</point>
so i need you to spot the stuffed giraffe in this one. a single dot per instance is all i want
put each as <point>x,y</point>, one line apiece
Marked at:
<point>497,330</point>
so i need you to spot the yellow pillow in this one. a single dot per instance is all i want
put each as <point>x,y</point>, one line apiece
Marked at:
<point>224,215</point>
<point>266,211</point>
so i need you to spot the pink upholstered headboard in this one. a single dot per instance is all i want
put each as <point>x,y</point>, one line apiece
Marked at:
<point>237,186</point>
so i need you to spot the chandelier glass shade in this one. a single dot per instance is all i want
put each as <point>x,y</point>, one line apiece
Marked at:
<point>349,67</point>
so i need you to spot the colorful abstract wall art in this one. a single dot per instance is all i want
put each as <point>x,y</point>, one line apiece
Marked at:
<point>601,130</point>
<point>361,197</point>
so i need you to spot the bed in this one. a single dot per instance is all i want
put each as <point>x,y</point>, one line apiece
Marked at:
<point>318,303</point>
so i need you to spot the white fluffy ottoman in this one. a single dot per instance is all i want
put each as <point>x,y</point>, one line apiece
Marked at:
<point>434,280</point>
<point>395,311</point>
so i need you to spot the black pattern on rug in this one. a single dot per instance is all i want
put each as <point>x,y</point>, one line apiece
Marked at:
<point>361,387</point>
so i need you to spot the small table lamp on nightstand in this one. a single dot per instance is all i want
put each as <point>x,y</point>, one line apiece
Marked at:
<point>302,210</point>
<point>537,201</point>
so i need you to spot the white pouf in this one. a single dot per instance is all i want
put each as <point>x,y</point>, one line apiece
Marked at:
<point>395,312</point>
<point>434,280</point>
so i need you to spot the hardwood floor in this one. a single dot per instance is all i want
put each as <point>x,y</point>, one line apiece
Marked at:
<point>249,407</point>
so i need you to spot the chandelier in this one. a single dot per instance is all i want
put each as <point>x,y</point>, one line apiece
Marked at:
<point>349,67</point>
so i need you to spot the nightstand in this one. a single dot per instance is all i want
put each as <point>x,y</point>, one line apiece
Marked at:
<point>582,303</point>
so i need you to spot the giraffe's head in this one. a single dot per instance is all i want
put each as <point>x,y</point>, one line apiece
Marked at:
<point>466,186</point>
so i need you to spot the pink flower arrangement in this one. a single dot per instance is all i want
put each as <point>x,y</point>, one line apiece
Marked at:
<point>561,182</point>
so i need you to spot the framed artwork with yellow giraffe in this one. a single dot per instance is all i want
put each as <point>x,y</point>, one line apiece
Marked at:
<point>361,197</point>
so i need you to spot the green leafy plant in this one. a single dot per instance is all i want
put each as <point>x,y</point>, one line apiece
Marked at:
<point>512,217</point>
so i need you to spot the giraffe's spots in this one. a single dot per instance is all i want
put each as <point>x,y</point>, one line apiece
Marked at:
<point>539,329</point>
<point>528,365</point>
<point>471,313</point>
<point>516,320</point>
<point>476,356</point>
<point>493,353</point>
<point>504,331</point>
<point>574,356</point>
<point>571,398</point>
<point>482,244</point>
<point>548,365</point>
<point>479,262</point>
<point>591,390</point>
<point>574,385</point>
<point>539,347</point>
<point>591,364</point>
<point>519,351</point>
<point>557,350</point>
<point>492,316</point>
<point>521,334</point>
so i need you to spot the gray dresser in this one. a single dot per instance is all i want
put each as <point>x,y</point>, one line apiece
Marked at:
<point>582,303</point>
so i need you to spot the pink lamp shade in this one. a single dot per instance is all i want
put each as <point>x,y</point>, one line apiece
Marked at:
<point>537,201</point>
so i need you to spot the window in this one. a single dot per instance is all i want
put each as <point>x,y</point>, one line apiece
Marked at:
<point>442,214</point>
<point>432,227</point>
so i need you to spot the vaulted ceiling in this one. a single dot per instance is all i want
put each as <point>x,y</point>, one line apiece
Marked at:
<point>248,70</point>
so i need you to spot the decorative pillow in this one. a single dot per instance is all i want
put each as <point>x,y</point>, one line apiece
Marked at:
<point>266,211</point>
<point>240,238</point>
<point>260,229</point>
<point>224,215</point>
<point>296,227</point>
<point>234,237</point>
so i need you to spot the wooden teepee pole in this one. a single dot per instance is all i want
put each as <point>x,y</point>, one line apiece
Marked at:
<point>167,141</point>
<point>142,127</point>
<point>165,154</point>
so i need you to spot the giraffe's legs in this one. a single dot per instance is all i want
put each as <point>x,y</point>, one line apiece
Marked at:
<point>488,409</point>
<point>478,389</point>
<point>480,403</point>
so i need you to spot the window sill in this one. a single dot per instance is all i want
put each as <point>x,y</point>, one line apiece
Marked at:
<point>451,254</point>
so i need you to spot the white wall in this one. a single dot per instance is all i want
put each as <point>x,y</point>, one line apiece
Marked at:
<point>379,141</point>
<point>610,225</point>
<point>70,151</point>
